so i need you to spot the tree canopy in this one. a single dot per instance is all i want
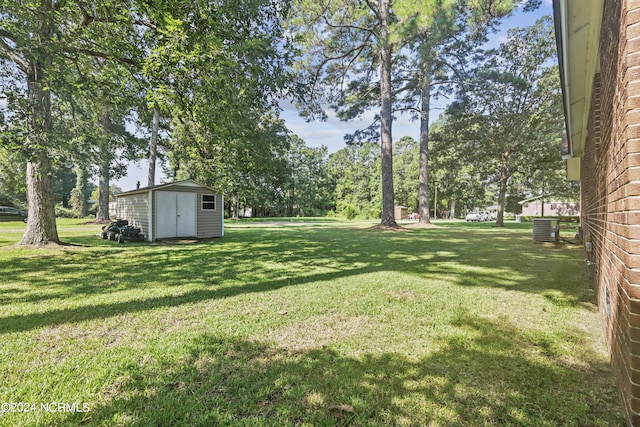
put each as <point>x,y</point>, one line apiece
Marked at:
<point>215,67</point>
<point>82,83</point>
<point>508,119</point>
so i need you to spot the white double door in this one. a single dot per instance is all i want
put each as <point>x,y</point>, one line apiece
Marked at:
<point>175,214</point>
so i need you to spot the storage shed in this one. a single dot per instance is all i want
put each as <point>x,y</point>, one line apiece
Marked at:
<point>178,209</point>
<point>400,212</point>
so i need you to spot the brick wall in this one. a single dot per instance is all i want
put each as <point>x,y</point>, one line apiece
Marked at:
<point>611,193</point>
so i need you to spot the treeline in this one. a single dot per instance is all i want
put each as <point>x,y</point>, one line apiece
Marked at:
<point>347,183</point>
<point>89,86</point>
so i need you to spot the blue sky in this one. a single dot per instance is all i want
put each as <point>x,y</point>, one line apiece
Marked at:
<point>331,132</point>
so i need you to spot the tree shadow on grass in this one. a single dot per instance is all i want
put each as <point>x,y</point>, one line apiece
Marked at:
<point>485,373</point>
<point>260,260</point>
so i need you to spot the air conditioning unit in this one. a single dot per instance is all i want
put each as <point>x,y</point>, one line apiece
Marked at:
<point>546,230</point>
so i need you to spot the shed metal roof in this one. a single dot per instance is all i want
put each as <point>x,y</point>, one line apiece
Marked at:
<point>166,186</point>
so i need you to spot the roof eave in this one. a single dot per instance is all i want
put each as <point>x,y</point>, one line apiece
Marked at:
<point>577,26</point>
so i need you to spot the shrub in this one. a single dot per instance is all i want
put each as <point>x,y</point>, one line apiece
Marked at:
<point>62,212</point>
<point>350,212</point>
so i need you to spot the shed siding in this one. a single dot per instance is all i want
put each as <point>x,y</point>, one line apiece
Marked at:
<point>135,209</point>
<point>210,223</point>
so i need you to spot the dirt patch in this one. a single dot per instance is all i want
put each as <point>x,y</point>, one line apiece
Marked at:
<point>422,225</point>
<point>48,245</point>
<point>316,332</point>
<point>381,227</point>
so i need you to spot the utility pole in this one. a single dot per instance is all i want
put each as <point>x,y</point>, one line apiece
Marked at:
<point>435,204</point>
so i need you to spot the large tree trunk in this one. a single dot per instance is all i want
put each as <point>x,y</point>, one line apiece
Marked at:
<point>104,171</point>
<point>102,214</point>
<point>153,148</point>
<point>452,212</point>
<point>41,223</point>
<point>386,117</point>
<point>78,198</point>
<point>293,198</point>
<point>423,192</point>
<point>502,189</point>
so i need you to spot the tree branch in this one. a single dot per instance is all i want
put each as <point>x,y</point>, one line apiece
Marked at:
<point>97,54</point>
<point>353,59</point>
<point>147,24</point>
<point>411,84</point>
<point>88,19</point>
<point>7,35</point>
<point>328,59</point>
<point>414,109</point>
<point>11,53</point>
<point>373,7</point>
<point>59,4</point>
<point>351,27</point>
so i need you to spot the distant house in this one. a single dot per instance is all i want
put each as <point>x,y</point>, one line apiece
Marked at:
<point>178,209</point>
<point>599,57</point>
<point>538,206</point>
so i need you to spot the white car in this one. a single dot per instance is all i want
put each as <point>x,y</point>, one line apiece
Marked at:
<point>473,216</point>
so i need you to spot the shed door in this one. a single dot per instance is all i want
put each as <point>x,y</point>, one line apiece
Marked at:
<point>186,214</point>
<point>175,214</point>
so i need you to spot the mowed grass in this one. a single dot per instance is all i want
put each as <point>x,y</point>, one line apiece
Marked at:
<point>304,324</point>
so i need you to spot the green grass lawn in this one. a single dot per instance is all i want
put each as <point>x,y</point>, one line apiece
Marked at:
<point>304,324</point>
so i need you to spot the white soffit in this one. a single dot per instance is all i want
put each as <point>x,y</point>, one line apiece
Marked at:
<point>581,23</point>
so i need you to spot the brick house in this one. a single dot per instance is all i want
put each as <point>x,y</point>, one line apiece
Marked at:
<point>539,206</point>
<point>599,55</point>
